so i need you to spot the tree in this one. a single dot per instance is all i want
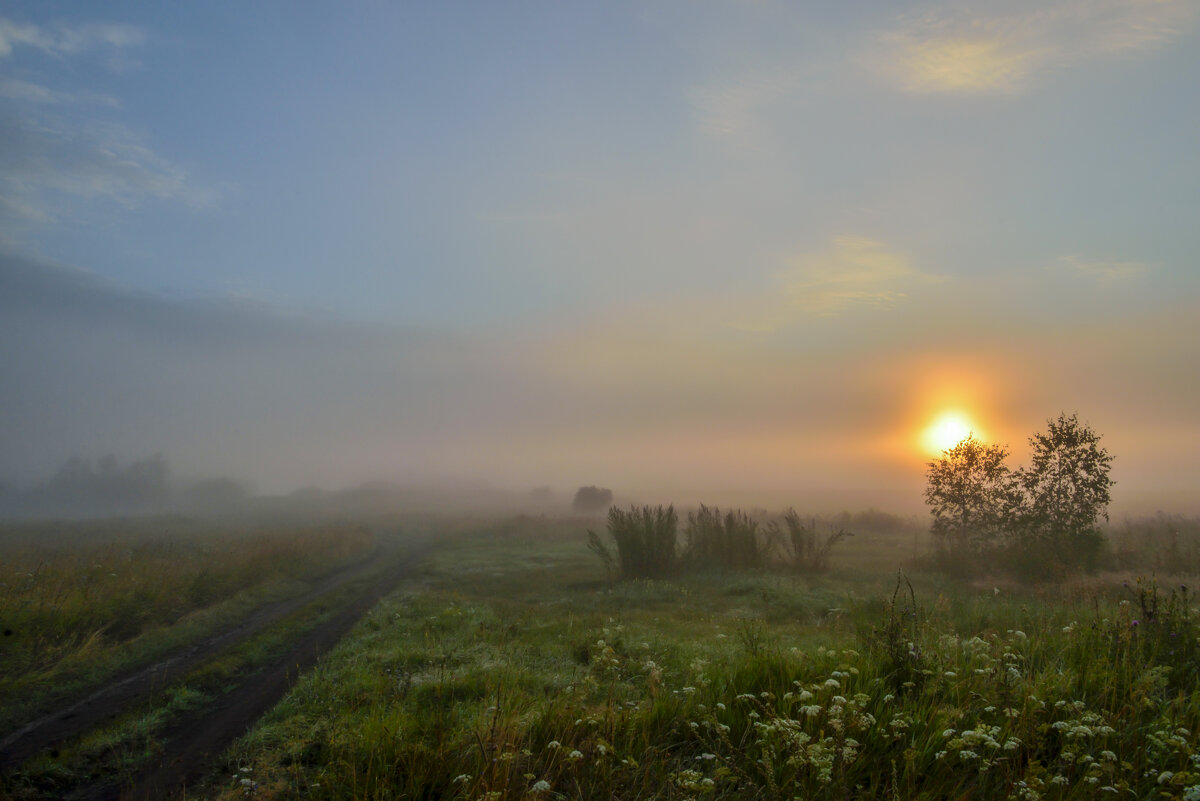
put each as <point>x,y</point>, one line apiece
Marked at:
<point>591,499</point>
<point>971,495</point>
<point>1065,491</point>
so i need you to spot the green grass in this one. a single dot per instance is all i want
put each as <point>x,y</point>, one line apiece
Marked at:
<point>514,670</point>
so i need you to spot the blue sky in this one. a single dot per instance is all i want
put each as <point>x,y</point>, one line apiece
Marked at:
<point>719,246</point>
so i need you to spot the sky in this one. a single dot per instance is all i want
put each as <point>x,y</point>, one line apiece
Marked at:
<point>722,250</point>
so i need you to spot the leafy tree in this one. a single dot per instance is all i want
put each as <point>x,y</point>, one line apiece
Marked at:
<point>1065,492</point>
<point>591,499</point>
<point>971,495</point>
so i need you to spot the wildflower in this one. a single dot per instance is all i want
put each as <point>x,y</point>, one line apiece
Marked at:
<point>462,778</point>
<point>541,786</point>
<point>706,757</point>
<point>1165,777</point>
<point>553,744</point>
<point>575,755</point>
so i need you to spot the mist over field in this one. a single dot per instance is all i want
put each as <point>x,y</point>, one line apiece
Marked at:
<point>656,399</point>
<point>736,254</point>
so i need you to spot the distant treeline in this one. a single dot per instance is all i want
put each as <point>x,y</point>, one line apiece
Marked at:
<point>86,488</point>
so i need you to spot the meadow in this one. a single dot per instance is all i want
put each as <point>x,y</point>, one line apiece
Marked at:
<point>518,667</point>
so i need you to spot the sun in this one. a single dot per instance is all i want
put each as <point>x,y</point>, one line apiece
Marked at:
<point>947,430</point>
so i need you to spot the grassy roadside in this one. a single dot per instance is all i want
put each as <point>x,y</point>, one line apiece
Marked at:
<point>516,671</point>
<point>82,603</point>
<point>120,749</point>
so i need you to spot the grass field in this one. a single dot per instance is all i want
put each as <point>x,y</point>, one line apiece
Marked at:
<point>515,669</point>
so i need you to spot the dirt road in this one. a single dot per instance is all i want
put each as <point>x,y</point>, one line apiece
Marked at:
<point>190,745</point>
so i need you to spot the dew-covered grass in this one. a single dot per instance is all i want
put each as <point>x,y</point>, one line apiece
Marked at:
<point>514,669</point>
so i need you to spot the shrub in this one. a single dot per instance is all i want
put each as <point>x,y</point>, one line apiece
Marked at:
<point>591,499</point>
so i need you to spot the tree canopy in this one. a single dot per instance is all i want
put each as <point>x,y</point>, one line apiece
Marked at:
<point>1048,511</point>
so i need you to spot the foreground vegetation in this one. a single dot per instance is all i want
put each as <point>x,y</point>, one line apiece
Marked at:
<point>80,602</point>
<point>516,671</point>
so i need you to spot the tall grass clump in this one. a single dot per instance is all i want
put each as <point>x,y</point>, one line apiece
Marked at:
<point>1163,543</point>
<point>802,548</point>
<point>731,541</point>
<point>645,539</point>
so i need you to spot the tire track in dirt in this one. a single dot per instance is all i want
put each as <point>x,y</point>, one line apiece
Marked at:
<point>122,693</point>
<point>191,745</point>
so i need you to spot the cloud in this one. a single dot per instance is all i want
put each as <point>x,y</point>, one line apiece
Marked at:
<point>67,40</point>
<point>733,110</point>
<point>854,271</point>
<point>48,158</point>
<point>28,92</point>
<point>950,51</point>
<point>56,152</point>
<point>1104,273</point>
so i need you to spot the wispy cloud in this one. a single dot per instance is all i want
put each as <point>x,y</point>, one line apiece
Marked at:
<point>951,51</point>
<point>87,160</point>
<point>67,40</point>
<point>853,271</point>
<point>59,151</point>
<point>733,110</point>
<point>1104,273</point>
<point>28,92</point>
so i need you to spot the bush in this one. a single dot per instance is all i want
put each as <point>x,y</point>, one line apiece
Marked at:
<point>591,499</point>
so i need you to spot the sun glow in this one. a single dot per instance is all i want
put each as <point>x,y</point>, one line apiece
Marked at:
<point>947,430</point>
